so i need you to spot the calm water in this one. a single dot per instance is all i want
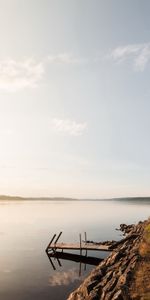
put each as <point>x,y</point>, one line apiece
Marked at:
<point>27,227</point>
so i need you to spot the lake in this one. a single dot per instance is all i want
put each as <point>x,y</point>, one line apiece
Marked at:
<point>26,228</point>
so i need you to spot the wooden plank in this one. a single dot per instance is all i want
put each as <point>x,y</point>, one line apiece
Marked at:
<point>71,246</point>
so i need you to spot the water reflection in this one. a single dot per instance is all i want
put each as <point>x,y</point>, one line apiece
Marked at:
<point>57,256</point>
<point>64,278</point>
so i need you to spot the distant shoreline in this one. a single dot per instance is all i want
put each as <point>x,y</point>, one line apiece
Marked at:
<point>19,198</point>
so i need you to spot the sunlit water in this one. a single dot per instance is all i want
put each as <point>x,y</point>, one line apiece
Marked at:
<point>27,227</point>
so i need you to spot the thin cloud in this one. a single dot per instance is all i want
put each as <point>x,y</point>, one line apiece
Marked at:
<point>64,58</point>
<point>16,75</point>
<point>69,127</point>
<point>138,54</point>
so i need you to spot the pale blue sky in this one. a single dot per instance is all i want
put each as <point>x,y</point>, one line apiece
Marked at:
<point>74,98</point>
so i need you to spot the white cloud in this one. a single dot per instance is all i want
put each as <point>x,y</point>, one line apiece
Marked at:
<point>143,58</point>
<point>64,278</point>
<point>15,75</point>
<point>64,58</point>
<point>68,126</point>
<point>139,54</point>
<point>19,74</point>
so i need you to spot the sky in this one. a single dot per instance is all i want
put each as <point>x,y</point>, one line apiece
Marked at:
<point>75,98</point>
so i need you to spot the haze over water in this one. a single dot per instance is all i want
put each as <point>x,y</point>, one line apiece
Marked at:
<point>26,228</point>
<point>74,121</point>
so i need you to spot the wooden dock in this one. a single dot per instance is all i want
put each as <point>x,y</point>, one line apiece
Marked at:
<point>82,245</point>
<point>76,246</point>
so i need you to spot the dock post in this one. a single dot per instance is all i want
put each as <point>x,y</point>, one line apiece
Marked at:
<point>57,239</point>
<point>80,244</point>
<point>85,237</point>
<point>80,269</point>
<point>51,263</point>
<point>50,242</point>
<point>85,243</point>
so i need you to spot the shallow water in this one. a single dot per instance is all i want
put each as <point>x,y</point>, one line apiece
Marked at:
<point>26,228</point>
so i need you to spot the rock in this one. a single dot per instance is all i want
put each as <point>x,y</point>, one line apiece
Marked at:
<point>125,292</point>
<point>106,278</point>
<point>94,296</point>
<point>110,285</point>
<point>118,295</point>
<point>76,296</point>
<point>111,278</point>
<point>98,275</point>
<point>91,285</point>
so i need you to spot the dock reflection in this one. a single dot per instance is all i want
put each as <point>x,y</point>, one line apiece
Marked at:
<point>82,259</point>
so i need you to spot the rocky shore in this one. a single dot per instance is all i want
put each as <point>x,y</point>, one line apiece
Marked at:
<point>111,279</point>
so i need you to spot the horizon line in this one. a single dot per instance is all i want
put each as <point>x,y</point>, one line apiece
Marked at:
<point>71,198</point>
